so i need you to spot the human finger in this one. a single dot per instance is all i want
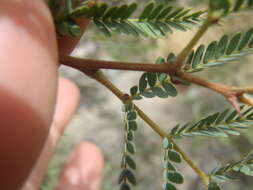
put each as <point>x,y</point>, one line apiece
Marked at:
<point>67,100</point>
<point>28,80</point>
<point>83,169</point>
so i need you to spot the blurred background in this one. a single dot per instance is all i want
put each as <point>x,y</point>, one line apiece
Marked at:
<point>99,118</point>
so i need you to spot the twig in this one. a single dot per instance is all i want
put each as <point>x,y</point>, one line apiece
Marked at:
<point>84,64</point>
<point>231,93</point>
<point>100,77</point>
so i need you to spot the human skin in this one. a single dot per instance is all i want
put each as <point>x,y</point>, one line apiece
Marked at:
<point>28,92</point>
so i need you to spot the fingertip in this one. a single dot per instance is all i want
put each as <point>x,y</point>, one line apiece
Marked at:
<point>83,170</point>
<point>67,100</point>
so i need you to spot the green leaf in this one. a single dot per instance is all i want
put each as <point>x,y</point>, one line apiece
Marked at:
<point>210,52</point>
<point>245,40</point>
<point>134,90</point>
<point>233,43</point>
<point>130,10</point>
<point>63,29</point>
<point>218,5</point>
<point>132,115</point>
<point>99,12</point>
<point>110,12</point>
<point>169,186</point>
<point>246,170</point>
<point>151,79</point>
<point>177,26</point>
<point>164,12</point>
<point>190,57</point>
<point>127,174</point>
<point>162,76</point>
<point>120,12</point>
<point>125,186</point>
<point>160,60</point>
<point>68,6</point>
<point>130,136</point>
<point>170,89</point>
<point>147,10</point>
<point>222,46</point>
<point>213,186</point>
<point>174,156</point>
<point>132,125</point>
<point>102,28</point>
<point>175,13</point>
<point>143,82</point>
<point>148,94</point>
<point>198,56</point>
<point>74,29</point>
<point>128,107</point>
<point>175,177</point>
<point>130,147</point>
<point>222,116</point>
<point>155,12</point>
<point>167,144</point>
<point>171,57</point>
<point>159,92</point>
<point>130,162</point>
<point>250,44</point>
<point>231,116</point>
<point>169,166</point>
<point>238,5</point>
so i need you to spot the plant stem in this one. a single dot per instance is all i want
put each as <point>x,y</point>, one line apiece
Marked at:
<point>101,64</point>
<point>204,178</point>
<point>100,77</point>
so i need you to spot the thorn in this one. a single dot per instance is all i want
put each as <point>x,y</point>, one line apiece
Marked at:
<point>235,103</point>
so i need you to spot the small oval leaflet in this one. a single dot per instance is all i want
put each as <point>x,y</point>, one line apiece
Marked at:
<point>130,147</point>
<point>159,92</point>
<point>167,144</point>
<point>125,186</point>
<point>213,186</point>
<point>131,115</point>
<point>143,83</point>
<point>169,166</point>
<point>132,125</point>
<point>130,162</point>
<point>127,174</point>
<point>151,79</point>
<point>147,10</point>
<point>174,156</point>
<point>133,90</point>
<point>170,89</point>
<point>175,177</point>
<point>130,136</point>
<point>169,186</point>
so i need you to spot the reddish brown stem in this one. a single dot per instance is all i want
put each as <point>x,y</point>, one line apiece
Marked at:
<point>90,64</point>
<point>229,92</point>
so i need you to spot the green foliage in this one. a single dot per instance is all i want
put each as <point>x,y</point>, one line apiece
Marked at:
<point>241,5</point>
<point>155,20</point>
<point>222,174</point>
<point>222,8</point>
<point>128,164</point>
<point>217,125</point>
<point>220,52</point>
<point>171,176</point>
<point>153,84</point>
